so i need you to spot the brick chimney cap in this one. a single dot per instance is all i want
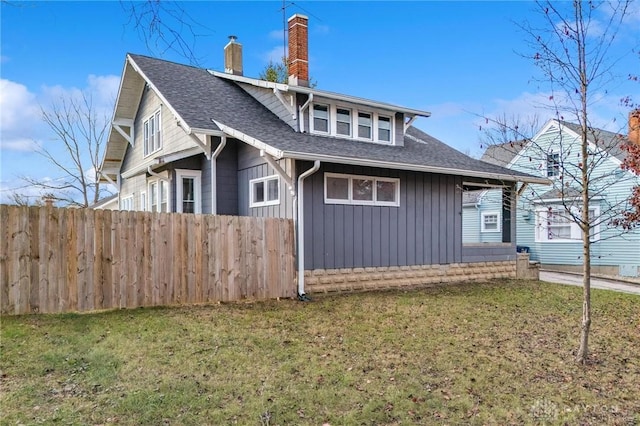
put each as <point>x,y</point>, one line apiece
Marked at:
<point>298,15</point>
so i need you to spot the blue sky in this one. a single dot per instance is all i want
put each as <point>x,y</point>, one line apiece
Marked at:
<point>455,59</point>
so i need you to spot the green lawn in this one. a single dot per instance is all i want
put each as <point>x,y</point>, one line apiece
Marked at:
<point>493,353</point>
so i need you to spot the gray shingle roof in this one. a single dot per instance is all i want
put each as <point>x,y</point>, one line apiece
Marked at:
<point>198,97</point>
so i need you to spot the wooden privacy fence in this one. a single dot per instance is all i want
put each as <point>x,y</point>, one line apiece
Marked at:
<point>62,260</point>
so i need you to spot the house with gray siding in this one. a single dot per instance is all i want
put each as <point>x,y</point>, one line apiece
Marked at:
<point>375,201</point>
<point>545,220</point>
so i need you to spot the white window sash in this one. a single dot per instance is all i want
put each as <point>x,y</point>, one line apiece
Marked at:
<point>483,223</point>
<point>265,182</point>
<point>196,175</point>
<point>374,182</point>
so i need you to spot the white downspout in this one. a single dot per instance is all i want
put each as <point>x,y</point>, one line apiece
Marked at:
<point>214,171</point>
<point>301,113</point>
<point>300,228</point>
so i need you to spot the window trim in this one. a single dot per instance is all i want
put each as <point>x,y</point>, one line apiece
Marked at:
<point>541,234</point>
<point>197,188</point>
<point>553,164</point>
<point>157,119</point>
<point>351,201</point>
<point>143,201</point>
<point>252,182</point>
<point>158,183</point>
<point>127,200</point>
<point>484,215</point>
<point>354,110</point>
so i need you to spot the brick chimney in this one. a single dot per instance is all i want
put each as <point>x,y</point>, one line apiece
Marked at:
<point>298,50</point>
<point>233,57</point>
<point>634,126</point>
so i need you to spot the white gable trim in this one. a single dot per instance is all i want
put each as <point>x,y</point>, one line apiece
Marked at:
<point>276,153</point>
<point>555,123</point>
<point>159,94</point>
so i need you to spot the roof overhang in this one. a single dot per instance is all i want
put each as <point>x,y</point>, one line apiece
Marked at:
<point>321,93</point>
<point>278,154</point>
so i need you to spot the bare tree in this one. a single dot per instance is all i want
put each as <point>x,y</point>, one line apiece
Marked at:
<point>81,132</point>
<point>166,26</point>
<point>572,50</point>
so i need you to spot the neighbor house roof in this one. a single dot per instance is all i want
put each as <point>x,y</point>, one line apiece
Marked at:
<point>210,104</point>
<point>503,154</point>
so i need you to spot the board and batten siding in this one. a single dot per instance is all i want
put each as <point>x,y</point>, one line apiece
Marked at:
<point>252,166</point>
<point>425,229</point>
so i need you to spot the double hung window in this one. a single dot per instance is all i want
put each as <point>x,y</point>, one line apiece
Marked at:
<point>152,134</point>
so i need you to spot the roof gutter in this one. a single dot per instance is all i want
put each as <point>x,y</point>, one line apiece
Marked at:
<point>300,229</point>
<point>413,167</point>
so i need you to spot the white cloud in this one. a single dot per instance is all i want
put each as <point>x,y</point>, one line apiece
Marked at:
<point>19,107</point>
<point>276,35</point>
<point>104,87</point>
<point>274,55</point>
<point>19,144</point>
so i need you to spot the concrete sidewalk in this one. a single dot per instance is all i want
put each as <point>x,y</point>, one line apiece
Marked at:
<point>574,279</point>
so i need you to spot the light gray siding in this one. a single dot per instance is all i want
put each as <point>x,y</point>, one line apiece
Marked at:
<point>267,98</point>
<point>425,229</point>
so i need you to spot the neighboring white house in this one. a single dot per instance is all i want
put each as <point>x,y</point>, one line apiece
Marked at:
<point>544,225</point>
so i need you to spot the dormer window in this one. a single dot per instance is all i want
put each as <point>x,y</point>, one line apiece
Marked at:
<point>364,125</point>
<point>321,118</point>
<point>351,122</point>
<point>343,122</point>
<point>384,128</point>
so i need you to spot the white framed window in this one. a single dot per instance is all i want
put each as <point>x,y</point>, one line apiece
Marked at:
<point>152,134</point>
<point>555,223</point>
<point>158,196</point>
<point>553,164</point>
<point>264,191</point>
<point>188,191</point>
<point>384,129</point>
<point>343,121</point>
<point>348,121</point>
<point>320,119</point>
<point>365,125</point>
<point>490,221</point>
<point>143,201</point>
<point>126,203</point>
<point>361,190</point>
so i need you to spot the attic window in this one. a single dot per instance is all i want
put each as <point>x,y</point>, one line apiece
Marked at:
<point>152,134</point>
<point>553,165</point>
<point>351,122</point>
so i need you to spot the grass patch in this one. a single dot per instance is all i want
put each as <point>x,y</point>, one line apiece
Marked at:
<point>492,353</point>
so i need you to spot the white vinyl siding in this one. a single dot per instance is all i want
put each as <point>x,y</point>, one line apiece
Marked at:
<point>364,190</point>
